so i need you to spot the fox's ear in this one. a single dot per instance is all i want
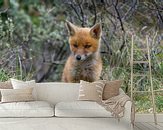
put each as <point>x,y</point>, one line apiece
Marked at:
<point>71,28</point>
<point>96,31</point>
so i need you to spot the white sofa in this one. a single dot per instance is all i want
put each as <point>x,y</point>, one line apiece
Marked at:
<point>63,113</point>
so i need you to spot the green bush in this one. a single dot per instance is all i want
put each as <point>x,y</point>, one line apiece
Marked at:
<point>4,75</point>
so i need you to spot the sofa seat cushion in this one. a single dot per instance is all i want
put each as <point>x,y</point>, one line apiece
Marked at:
<point>26,109</point>
<point>80,109</point>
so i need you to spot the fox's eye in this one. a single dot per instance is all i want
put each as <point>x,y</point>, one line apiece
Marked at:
<point>87,46</point>
<point>75,45</point>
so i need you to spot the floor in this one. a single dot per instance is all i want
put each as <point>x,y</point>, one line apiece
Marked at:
<point>143,122</point>
<point>148,126</point>
<point>56,123</point>
<point>146,122</point>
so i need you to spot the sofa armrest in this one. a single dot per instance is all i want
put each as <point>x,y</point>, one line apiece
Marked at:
<point>127,112</point>
<point>121,91</point>
<point>128,108</point>
<point>126,120</point>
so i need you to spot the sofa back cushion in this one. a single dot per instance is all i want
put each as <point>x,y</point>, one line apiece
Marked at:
<point>55,92</point>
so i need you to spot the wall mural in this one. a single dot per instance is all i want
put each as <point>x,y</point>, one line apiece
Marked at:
<point>73,40</point>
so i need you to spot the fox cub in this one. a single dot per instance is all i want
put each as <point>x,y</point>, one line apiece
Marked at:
<point>84,63</point>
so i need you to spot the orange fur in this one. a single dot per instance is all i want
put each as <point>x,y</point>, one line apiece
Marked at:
<point>85,43</point>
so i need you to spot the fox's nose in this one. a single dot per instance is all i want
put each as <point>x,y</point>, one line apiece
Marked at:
<point>78,57</point>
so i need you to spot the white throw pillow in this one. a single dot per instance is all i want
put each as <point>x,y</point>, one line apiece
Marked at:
<point>26,109</point>
<point>80,109</point>
<point>18,84</point>
<point>16,95</point>
<point>91,91</point>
